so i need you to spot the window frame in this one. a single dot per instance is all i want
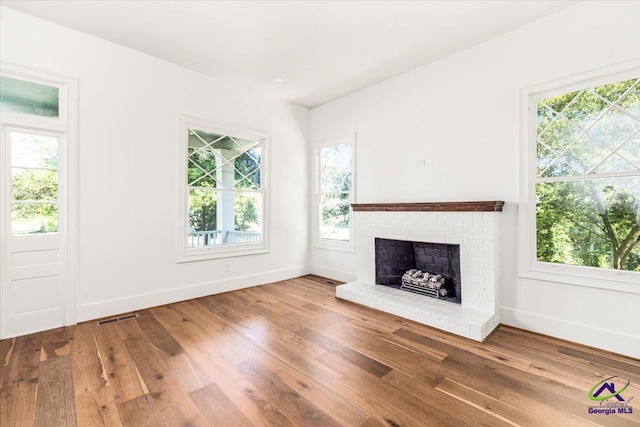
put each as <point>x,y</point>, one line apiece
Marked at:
<point>184,252</point>
<point>329,244</point>
<point>528,265</point>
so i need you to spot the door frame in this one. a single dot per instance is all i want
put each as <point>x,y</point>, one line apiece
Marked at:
<point>67,124</point>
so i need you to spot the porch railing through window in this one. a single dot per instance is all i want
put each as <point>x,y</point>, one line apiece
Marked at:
<point>217,237</point>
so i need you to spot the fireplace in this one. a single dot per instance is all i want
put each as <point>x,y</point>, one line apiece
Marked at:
<point>459,241</point>
<point>409,265</point>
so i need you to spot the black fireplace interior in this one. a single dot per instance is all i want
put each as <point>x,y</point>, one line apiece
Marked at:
<point>395,257</point>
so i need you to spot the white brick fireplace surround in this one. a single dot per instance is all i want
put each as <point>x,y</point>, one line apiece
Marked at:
<point>475,226</point>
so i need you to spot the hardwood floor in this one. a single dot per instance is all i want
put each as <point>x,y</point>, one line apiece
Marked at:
<point>291,354</point>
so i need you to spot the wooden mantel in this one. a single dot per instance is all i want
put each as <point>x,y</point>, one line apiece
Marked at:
<point>492,206</point>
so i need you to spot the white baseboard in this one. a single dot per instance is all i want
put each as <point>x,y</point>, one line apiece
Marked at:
<point>139,302</point>
<point>332,273</point>
<point>606,339</point>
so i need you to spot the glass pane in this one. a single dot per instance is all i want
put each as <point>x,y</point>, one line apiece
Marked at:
<point>615,164</point>
<point>34,151</point>
<point>585,109</point>
<point>34,184</point>
<point>588,130</point>
<point>224,218</point>
<point>545,158</point>
<point>613,91</point>
<point>589,223</point>
<point>335,168</point>
<point>19,96</point>
<point>613,128</point>
<point>631,101</point>
<point>34,218</point>
<point>199,138</point>
<point>242,144</point>
<point>560,134</point>
<point>586,153</point>
<point>558,103</point>
<point>247,170</point>
<point>544,119</point>
<point>334,214</point>
<point>203,229</point>
<point>247,221</point>
<point>250,182</point>
<point>631,150</point>
<point>562,167</point>
<point>201,168</point>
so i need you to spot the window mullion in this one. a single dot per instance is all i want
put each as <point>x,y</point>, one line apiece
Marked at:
<point>568,178</point>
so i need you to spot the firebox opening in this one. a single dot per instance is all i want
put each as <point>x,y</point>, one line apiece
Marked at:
<point>397,258</point>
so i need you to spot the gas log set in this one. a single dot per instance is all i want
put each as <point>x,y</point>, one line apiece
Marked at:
<point>424,283</point>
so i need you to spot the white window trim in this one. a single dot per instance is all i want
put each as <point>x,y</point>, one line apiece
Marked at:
<point>186,254</point>
<point>528,265</point>
<point>335,245</point>
<point>66,124</point>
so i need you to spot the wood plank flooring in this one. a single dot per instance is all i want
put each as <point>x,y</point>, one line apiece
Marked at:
<point>291,354</point>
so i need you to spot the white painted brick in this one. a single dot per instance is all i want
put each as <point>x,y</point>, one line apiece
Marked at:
<point>464,235</point>
<point>476,232</point>
<point>412,227</point>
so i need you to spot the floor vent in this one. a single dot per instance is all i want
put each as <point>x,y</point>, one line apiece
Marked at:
<point>118,319</point>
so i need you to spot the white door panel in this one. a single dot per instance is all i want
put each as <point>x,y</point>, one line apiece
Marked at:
<point>20,259</point>
<point>35,294</point>
<point>34,223</point>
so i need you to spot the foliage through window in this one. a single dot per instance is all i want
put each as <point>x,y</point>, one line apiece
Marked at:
<point>34,183</point>
<point>335,188</point>
<point>225,189</point>
<point>588,177</point>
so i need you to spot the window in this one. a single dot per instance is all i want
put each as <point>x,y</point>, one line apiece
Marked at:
<point>34,183</point>
<point>224,192</point>
<point>25,97</point>
<point>334,194</point>
<point>585,179</point>
<point>34,115</point>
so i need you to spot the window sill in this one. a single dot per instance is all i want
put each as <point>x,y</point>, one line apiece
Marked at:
<point>335,245</point>
<point>612,280</point>
<point>221,252</point>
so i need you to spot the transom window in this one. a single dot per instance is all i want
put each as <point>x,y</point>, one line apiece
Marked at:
<point>224,190</point>
<point>26,97</point>
<point>587,181</point>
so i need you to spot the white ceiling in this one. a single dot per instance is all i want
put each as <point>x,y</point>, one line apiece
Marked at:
<point>321,49</point>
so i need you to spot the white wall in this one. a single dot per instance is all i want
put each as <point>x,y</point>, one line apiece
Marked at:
<point>461,114</point>
<point>129,105</point>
